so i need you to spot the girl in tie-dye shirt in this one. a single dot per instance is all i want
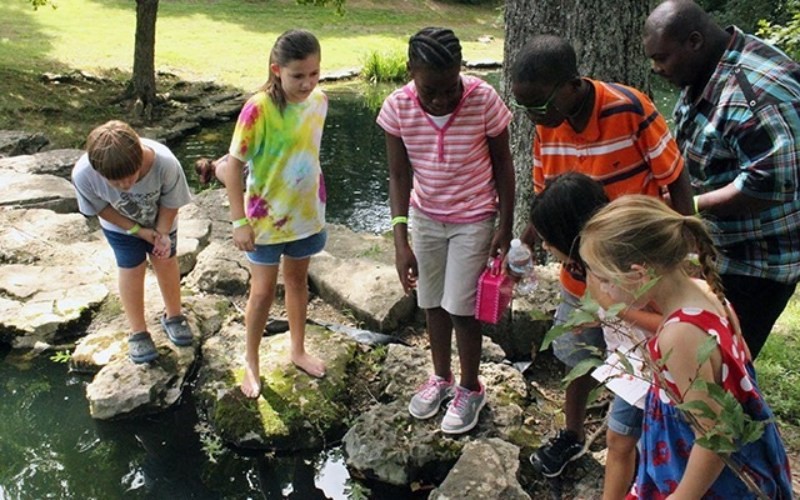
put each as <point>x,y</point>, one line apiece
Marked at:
<point>282,212</point>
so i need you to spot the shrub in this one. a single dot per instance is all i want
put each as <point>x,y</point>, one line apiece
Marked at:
<point>379,67</point>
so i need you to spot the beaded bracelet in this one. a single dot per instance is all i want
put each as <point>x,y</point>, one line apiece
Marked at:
<point>240,222</point>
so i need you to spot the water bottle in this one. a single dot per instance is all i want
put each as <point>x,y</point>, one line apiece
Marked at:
<point>520,263</point>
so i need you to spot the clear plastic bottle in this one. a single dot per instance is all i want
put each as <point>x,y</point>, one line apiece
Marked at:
<point>520,263</point>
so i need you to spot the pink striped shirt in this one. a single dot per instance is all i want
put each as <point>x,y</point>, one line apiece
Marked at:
<point>453,177</point>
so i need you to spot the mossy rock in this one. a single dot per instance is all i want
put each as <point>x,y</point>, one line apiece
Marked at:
<point>294,411</point>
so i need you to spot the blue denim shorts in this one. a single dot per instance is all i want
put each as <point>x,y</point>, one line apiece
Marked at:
<point>270,255</point>
<point>625,419</point>
<point>571,347</point>
<point>131,251</point>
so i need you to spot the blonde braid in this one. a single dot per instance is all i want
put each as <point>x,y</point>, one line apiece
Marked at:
<point>707,255</point>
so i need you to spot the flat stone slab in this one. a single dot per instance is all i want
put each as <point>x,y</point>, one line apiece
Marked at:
<point>37,191</point>
<point>371,290</point>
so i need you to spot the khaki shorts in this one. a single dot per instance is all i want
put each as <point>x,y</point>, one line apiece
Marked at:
<point>450,258</point>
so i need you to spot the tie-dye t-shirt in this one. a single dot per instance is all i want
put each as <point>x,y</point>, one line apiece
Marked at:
<point>285,197</point>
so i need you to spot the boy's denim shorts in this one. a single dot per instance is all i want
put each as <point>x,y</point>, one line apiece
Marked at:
<point>571,347</point>
<point>625,419</point>
<point>131,251</point>
<point>270,255</point>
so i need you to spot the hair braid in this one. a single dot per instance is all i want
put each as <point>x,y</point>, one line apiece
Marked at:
<point>434,47</point>
<point>707,255</point>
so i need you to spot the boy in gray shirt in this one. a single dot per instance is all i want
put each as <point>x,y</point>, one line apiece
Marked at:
<point>135,187</point>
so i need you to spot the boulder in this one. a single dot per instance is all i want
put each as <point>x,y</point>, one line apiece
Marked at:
<point>294,411</point>
<point>57,162</point>
<point>125,389</point>
<point>387,444</point>
<point>37,191</point>
<point>367,288</point>
<point>487,469</point>
<point>220,269</point>
<point>43,303</point>
<point>17,142</point>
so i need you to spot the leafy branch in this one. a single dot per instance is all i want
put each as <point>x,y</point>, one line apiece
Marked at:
<point>730,426</point>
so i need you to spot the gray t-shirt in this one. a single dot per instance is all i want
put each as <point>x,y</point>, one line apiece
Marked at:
<point>164,185</point>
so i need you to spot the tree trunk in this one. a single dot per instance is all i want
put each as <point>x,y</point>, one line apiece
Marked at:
<point>144,72</point>
<point>607,38</point>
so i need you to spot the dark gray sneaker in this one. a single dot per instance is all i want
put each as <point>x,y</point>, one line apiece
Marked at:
<point>429,397</point>
<point>553,456</point>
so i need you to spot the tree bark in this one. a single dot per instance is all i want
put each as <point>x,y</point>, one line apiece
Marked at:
<point>607,39</point>
<point>144,72</point>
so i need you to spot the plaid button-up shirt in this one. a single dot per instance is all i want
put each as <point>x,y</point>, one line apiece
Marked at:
<point>745,129</point>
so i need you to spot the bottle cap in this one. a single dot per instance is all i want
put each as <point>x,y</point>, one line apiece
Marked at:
<point>515,243</point>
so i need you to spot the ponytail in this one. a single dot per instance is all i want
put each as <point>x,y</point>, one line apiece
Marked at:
<point>292,45</point>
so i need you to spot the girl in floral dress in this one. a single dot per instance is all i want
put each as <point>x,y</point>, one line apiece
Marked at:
<point>635,248</point>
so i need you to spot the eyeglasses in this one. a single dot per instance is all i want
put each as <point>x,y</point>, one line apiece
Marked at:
<point>538,110</point>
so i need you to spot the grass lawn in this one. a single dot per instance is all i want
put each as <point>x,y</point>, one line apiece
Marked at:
<point>226,41</point>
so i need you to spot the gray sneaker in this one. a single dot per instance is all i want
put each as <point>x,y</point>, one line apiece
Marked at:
<point>430,396</point>
<point>463,411</point>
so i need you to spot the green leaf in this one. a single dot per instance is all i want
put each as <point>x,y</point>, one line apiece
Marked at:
<point>623,359</point>
<point>705,350</point>
<point>698,408</point>
<point>717,443</point>
<point>613,311</point>
<point>580,317</point>
<point>552,334</point>
<point>595,393</point>
<point>582,369</point>
<point>647,286</point>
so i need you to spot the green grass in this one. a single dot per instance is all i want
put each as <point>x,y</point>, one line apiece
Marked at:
<point>382,67</point>
<point>778,365</point>
<point>227,40</point>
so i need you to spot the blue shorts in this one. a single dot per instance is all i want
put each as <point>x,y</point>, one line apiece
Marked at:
<point>270,255</point>
<point>131,251</point>
<point>625,419</point>
<point>571,347</point>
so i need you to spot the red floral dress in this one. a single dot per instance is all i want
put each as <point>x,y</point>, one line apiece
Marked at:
<point>667,438</point>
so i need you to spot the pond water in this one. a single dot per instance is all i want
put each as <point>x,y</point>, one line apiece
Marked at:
<point>51,448</point>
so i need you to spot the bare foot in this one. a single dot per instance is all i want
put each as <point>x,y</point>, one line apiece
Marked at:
<point>251,384</point>
<point>309,364</point>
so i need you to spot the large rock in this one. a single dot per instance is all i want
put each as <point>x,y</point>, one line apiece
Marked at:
<point>294,411</point>
<point>123,389</point>
<point>486,470</point>
<point>43,303</point>
<point>220,269</point>
<point>58,162</point>
<point>387,444</point>
<point>37,191</point>
<point>30,236</point>
<point>17,142</point>
<point>367,288</point>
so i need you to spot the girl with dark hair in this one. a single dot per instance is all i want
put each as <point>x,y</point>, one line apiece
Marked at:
<point>449,161</point>
<point>282,213</point>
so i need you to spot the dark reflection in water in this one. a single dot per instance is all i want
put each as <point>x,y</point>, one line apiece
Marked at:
<point>353,161</point>
<point>51,448</point>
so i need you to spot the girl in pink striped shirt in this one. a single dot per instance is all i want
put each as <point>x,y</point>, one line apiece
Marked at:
<point>450,163</point>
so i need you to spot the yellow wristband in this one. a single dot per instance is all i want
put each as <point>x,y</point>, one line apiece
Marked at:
<point>694,202</point>
<point>135,229</point>
<point>400,219</point>
<point>240,222</point>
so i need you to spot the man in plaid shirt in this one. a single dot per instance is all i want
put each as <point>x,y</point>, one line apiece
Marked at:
<point>738,126</point>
